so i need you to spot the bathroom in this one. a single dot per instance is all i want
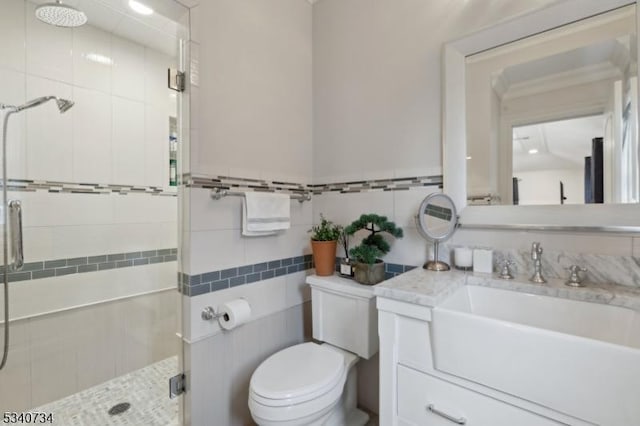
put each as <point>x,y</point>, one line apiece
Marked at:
<point>340,98</point>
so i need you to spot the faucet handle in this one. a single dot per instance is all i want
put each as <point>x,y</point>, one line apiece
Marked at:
<point>575,280</point>
<point>505,271</point>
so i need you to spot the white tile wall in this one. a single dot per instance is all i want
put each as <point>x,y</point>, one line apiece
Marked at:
<point>92,135</point>
<point>128,141</point>
<point>12,87</point>
<point>221,365</point>
<point>90,44</point>
<point>49,134</point>
<point>48,49</point>
<point>12,23</point>
<point>55,355</point>
<point>128,76</point>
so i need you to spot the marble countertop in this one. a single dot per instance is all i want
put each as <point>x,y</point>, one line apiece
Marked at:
<point>428,288</point>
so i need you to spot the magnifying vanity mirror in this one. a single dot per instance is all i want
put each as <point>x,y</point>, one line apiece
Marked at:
<point>437,219</point>
<point>541,120</point>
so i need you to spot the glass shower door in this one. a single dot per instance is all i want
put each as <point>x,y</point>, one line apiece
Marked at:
<point>91,138</point>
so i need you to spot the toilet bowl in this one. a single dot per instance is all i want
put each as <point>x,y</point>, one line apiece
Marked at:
<point>306,384</point>
<point>317,384</point>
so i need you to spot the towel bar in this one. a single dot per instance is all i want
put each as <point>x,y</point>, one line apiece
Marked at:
<point>220,193</point>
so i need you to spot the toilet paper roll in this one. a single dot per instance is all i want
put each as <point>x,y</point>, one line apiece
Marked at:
<point>234,313</point>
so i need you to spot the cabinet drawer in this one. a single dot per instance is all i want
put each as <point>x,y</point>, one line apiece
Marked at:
<point>417,391</point>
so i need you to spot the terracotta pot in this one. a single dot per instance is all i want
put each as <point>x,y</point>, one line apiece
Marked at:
<point>324,257</point>
<point>369,274</point>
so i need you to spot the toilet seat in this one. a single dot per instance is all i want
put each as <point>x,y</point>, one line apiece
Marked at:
<point>297,374</point>
<point>302,381</point>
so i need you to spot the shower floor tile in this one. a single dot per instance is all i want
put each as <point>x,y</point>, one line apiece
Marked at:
<point>147,390</point>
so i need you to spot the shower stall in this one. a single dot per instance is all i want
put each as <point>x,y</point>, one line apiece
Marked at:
<point>93,127</point>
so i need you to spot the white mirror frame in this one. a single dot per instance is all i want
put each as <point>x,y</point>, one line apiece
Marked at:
<point>574,218</point>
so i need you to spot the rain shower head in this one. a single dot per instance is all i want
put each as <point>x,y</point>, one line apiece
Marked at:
<point>64,105</point>
<point>60,15</point>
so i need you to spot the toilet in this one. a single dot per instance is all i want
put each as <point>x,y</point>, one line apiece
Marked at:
<point>315,383</point>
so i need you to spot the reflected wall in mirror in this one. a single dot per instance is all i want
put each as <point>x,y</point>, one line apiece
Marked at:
<point>552,118</point>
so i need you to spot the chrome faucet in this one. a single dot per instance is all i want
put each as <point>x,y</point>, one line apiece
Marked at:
<point>536,255</point>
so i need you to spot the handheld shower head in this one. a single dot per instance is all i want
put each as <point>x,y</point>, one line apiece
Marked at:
<point>64,105</point>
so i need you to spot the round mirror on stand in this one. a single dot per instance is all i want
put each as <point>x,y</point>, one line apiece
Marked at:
<point>437,220</point>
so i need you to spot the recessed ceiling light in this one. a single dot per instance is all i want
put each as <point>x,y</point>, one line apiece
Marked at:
<point>533,151</point>
<point>469,158</point>
<point>140,8</point>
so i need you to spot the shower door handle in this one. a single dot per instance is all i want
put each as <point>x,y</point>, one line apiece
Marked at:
<point>15,226</point>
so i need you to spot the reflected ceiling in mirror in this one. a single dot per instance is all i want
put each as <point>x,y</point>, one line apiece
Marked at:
<point>551,119</point>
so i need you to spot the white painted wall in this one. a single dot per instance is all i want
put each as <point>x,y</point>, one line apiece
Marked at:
<point>542,187</point>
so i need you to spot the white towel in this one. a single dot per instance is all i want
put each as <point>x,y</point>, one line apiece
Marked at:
<point>265,213</point>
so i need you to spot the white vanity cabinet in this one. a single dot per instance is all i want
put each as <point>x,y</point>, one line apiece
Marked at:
<point>412,392</point>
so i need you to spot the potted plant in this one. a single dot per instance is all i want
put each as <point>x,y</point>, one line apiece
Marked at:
<point>368,267</point>
<point>324,239</point>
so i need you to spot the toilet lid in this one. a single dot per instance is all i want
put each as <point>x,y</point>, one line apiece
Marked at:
<point>303,370</point>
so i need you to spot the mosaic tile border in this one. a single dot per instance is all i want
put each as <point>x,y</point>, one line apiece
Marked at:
<point>24,185</point>
<point>195,285</point>
<point>391,184</point>
<point>80,265</point>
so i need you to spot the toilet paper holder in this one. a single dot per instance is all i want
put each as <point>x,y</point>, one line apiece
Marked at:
<point>208,314</point>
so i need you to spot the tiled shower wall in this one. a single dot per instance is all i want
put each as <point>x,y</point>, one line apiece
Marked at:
<point>93,302</point>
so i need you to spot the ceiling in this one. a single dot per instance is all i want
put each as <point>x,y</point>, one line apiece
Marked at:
<point>159,31</point>
<point>559,144</point>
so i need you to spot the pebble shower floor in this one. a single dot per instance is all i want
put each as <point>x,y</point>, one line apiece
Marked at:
<point>147,390</point>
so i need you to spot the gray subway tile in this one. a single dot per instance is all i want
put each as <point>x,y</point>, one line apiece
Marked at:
<point>43,274</point>
<point>408,268</point>
<point>88,268</point>
<point>149,253</point>
<point>174,251</point>
<point>138,262</point>
<point>131,256</point>
<point>281,271</point>
<point>275,264</point>
<point>97,259</point>
<point>301,267</point>
<point>124,263</point>
<point>66,271</point>
<point>157,259</point>
<point>228,273</point>
<point>253,278</point>
<point>395,268</point>
<point>106,265</point>
<point>219,285</point>
<point>32,266</point>
<point>211,276</point>
<point>268,274</point>
<point>291,269</point>
<point>298,259</point>
<point>288,261</point>
<point>244,270</point>
<point>77,261</point>
<point>55,263</point>
<point>307,257</point>
<point>259,267</point>
<point>170,258</point>
<point>19,276</point>
<point>237,281</point>
<point>196,279</point>
<point>197,290</point>
<point>164,252</point>
<point>115,257</point>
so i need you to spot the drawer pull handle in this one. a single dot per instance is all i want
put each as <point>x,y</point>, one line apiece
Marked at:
<point>457,420</point>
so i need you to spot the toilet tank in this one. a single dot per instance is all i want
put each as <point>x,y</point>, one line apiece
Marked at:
<point>344,314</point>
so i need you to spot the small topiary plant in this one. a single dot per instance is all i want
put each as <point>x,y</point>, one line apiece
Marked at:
<point>374,245</point>
<point>325,231</point>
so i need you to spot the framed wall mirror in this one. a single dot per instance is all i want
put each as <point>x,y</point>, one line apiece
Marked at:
<point>541,120</point>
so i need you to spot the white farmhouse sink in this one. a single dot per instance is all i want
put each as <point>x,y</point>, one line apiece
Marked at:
<point>579,358</point>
